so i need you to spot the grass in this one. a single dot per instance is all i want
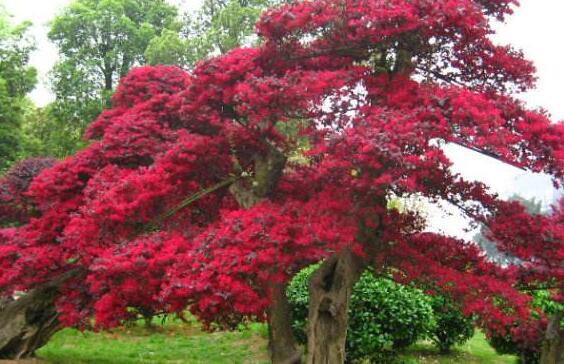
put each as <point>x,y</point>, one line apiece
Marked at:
<point>475,351</point>
<point>176,342</point>
<point>181,343</point>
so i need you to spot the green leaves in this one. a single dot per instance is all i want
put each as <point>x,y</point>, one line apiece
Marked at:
<point>452,327</point>
<point>169,49</point>
<point>99,41</point>
<point>216,28</point>
<point>45,135</point>
<point>17,78</point>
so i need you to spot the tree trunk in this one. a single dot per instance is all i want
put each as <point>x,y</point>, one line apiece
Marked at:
<point>27,323</point>
<point>5,301</point>
<point>330,289</point>
<point>108,79</point>
<point>282,343</point>
<point>553,345</point>
<point>148,319</point>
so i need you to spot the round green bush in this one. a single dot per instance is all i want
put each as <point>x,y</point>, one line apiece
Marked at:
<point>452,327</point>
<point>382,315</point>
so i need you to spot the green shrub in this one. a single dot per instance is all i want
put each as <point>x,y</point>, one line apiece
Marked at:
<point>382,315</point>
<point>452,327</point>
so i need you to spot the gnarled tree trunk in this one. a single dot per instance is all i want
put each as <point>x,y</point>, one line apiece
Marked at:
<point>553,345</point>
<point>27,323</point>
<point>282,343</point>
<point>330,290</point>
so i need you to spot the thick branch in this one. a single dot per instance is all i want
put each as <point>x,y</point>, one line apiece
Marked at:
<point>156,223</point>
<point>268,170</point>
<point>27,323</point>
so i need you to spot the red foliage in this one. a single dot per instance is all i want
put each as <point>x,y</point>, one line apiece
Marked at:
<point>15,206</point>
<point>226,275</point>
<point>117,212</point>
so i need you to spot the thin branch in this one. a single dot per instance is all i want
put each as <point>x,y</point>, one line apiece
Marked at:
<point>528,288</point>
<point>156,223</point>
<point>487,154</point>
<point>442,77</point>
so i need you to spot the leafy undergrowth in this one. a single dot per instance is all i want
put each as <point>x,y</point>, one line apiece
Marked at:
<point>182,343</point>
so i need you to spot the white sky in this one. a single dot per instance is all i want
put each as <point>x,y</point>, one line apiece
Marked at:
<point>536,27</point>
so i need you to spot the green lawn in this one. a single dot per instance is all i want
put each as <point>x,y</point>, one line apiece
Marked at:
<point>181,343</point>
<point>475,351</point>
<point>174,343</point>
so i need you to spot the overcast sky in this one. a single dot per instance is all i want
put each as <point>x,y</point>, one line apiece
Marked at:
<point>536,27</point>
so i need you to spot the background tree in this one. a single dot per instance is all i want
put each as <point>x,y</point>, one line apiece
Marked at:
<point>98,42</point>
<point>17,79</point>
<point>217,27</point>
<point>80,80</point>
<point>46,135</point>
<point>169,49</point>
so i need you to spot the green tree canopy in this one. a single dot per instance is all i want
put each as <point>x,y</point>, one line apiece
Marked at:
<point>217,27</point>
<point>99,41</point>
<point>17,78</point>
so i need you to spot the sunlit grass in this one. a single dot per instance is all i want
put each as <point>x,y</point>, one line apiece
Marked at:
<point>176,342</point>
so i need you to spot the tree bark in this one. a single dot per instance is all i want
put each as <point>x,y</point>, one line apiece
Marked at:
<point>27,323</point>
<point>553,345</point>
<point>282,343</point>
<point>330,289</point>
<point>148,319</point>
<point>108,78</point>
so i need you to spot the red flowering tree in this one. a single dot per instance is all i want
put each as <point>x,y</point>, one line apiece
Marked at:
<point>210,190</point>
